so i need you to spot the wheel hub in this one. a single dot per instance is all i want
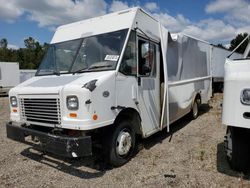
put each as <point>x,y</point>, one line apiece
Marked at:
<point>123,143</point>
<point>195,109</point>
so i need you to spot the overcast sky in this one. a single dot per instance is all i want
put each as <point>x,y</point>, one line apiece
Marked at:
<point>217,21</point>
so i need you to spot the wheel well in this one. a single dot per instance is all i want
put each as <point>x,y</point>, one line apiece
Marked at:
<point>133,115</point>
<point>197,96</point>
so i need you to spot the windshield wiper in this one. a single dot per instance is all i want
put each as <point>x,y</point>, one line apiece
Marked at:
<point>56,73</point>
<point>100,66</point>
<point>93,67</point>
<point>80,70</point>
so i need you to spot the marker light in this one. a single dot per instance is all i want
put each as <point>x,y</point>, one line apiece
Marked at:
<point>73,115</point>
<point>95,117</point>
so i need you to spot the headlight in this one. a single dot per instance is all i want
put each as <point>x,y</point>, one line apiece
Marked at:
<point>13,101</point>
<point>245,96</point>
<point>72,103</point>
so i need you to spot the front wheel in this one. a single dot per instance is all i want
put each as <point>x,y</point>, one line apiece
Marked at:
<point>237,148</point>
<point>119,143</point>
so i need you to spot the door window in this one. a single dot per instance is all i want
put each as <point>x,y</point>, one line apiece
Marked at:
<point>147,58</point>
<point>129,63</point>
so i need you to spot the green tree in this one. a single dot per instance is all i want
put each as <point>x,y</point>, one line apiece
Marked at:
<point>3,43</point>
<point>221,46</point>
<point>237,40</point>
<point>28,57</point>
<point>32,54</point>
<point>30,43</point>
<point>4,55</point>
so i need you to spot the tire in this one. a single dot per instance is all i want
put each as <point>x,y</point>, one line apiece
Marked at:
<point>237,148</point>
<point>119,144</point>
<point>195,109</point>
<point>221,87</point>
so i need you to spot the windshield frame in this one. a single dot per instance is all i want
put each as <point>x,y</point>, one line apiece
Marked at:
<point>58,73</point>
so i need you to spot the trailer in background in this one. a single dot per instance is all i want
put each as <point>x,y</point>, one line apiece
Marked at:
<point>218,58</point>
<point>9,76</point>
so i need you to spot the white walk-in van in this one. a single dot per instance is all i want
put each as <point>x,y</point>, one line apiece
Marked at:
<point>236,111</point>
<point>9,76</point>
<point>106,80</point>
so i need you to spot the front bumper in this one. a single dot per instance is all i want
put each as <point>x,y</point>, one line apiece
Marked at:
<point>60,145</point>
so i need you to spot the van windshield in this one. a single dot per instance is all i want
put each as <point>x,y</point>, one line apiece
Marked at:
<point>94,53</point>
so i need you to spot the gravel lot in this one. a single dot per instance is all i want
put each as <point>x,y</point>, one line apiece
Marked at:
<point>192,155</point>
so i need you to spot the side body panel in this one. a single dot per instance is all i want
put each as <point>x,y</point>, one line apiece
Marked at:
<point>126,92</point>
<point>189,74</point>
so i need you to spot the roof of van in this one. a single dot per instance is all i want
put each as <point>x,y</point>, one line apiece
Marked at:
<point>102,24</point>
<point>113,22</point>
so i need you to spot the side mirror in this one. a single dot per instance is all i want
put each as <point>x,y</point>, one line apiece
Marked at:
<point>146,69</point>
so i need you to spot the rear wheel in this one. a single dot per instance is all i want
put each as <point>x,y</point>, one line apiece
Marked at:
<point>195,108</point>
<point>119,143</point>
<point>237,148</point>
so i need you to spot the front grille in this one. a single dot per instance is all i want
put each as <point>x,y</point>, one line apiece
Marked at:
<point>41,110</point>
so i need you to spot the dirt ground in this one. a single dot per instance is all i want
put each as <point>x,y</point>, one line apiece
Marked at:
<point>192,155</point>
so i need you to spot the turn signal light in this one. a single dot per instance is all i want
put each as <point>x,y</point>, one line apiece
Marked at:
<point>95,117</point>
<point>73,115</point>
<point>14,110</point>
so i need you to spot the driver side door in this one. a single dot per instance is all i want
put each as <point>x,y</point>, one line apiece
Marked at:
<point>149,85</point>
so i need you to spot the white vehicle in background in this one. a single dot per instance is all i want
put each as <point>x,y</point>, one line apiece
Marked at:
<point>107,79</point>
<point>26,74</point>
<point>236,111</point>
<point>9,76</point>
<point>218,58</point>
